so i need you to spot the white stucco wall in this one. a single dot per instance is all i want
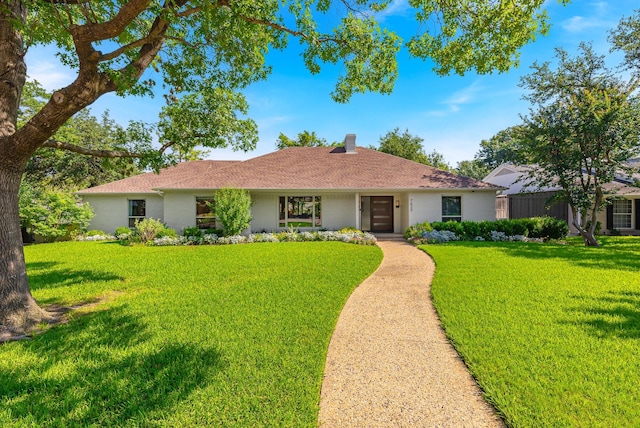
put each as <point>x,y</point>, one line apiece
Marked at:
<point>264,212</point>
<point>427,206</point>
<point>338,210</point>
<point>112,211</point>
<point>180,208</point>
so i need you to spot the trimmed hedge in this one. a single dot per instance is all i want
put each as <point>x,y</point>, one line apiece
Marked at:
<point>545,228</point>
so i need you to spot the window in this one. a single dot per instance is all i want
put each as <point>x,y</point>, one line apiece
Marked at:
<point>622,214</point>
<point>451,208</point>
<point>205,217</point>
<point>300,211</point>
<point>137,211</point>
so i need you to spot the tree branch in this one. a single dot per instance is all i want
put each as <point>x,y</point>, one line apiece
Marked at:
<point>90,152</point>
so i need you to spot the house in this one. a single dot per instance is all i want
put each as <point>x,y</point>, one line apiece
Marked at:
<point>519,200</point>
<point>301,187</point>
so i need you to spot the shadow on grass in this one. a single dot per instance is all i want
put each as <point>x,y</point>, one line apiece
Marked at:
<point>616,314</point>
<point>45,278</point>
<point>104,369</point>
<point>612,255</point>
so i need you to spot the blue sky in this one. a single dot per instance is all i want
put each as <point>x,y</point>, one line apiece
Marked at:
<point>452,114</point>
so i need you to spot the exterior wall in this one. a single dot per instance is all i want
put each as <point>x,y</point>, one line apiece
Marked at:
<point>180,208</point>
<point>264,212</point>
<point>427,206</point>
<point>112,211</point>
<point>338,210</point>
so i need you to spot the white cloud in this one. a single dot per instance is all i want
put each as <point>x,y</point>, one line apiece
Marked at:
<point>579,24</point>
<point>454,102</point>
<point>395,8</point>
<point>52,76</point>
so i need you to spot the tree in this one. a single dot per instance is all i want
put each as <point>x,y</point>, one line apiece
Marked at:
<point>52,214</point>
<point>204,53</point>
<point>436,159</point>
<point>233,209</point>
<point>410,147</point>
<point>504,147</point>
<point>472,168</point>
<point>304,139</point>
<point>584,126</point>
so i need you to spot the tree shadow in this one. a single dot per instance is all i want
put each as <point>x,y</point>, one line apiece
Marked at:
<point>617,256</point>
<point>104,368</point>
<point>41,279</point>
<point>616,314</point>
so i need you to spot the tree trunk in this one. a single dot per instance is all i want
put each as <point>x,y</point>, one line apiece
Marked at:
<point>586,233</point>
<point>18,309</point>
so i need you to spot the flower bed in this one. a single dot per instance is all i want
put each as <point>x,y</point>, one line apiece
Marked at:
<point>354,237</point>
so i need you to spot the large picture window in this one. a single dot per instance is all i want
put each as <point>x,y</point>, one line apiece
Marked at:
<point>451,208</point>
<point>137,211</point>
<point>205,217</point>
<point>300,211</point>
<point>622,214</point>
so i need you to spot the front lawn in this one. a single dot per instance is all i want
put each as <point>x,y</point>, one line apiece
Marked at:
<point>180,336</point>
<point>551,332</point>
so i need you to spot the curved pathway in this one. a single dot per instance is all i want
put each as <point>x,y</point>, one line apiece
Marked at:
<point>389,361</point>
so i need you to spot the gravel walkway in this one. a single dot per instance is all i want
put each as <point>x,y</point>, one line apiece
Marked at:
<point>389,362</point>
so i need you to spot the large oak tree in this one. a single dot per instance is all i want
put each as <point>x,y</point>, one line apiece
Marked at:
<point>200,54</point>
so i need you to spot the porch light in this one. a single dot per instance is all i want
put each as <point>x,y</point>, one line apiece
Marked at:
<point>397,203</point>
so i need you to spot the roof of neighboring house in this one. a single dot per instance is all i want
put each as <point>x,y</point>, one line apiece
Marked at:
<point>511,178</point>
<point>299,168</point>
<point>147,182</point>
<point>507,175</point>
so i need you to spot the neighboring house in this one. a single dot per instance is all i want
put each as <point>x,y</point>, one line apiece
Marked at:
<point>300,187</point>
<point>521,201</point>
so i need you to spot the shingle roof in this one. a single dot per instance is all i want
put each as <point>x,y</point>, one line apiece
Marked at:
<point>328,168</point>
<point>146,183</point>
<point>300,168</point>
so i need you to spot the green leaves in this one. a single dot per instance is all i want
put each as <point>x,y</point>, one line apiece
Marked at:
<point>583,127</point>
<point>52,214</point>
<point>233,210</point>
<point>410,147</point>
<point>482,35</point>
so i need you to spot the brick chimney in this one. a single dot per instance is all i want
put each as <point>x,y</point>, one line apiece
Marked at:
<point>350,143</point>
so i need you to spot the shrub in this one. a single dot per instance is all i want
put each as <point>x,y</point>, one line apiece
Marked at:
<point>192,231</point>
<point>417,230</point>
<point>348,229</point>
<point>148,229</point>
<point>528,229</point>
<point>552,228</point>
<point>95,232</point>
<point>167,232</point>
<point>123,232</point>
<point>233,209</point>
<point>52,214</point>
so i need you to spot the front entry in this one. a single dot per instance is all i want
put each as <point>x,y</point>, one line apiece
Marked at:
<point>382,214</point>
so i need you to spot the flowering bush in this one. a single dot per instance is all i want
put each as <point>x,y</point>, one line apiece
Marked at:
<point>355,237</point>
<point>96,237</point>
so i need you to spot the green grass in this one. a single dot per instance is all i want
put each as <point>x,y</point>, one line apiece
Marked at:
<point>551,332</point>
<point>184,336</point>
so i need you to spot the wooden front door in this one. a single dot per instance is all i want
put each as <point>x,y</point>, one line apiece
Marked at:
<point>382,214</point>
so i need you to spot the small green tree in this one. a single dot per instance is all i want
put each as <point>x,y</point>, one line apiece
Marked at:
<point>233,209</point>
<point>52,214</point>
